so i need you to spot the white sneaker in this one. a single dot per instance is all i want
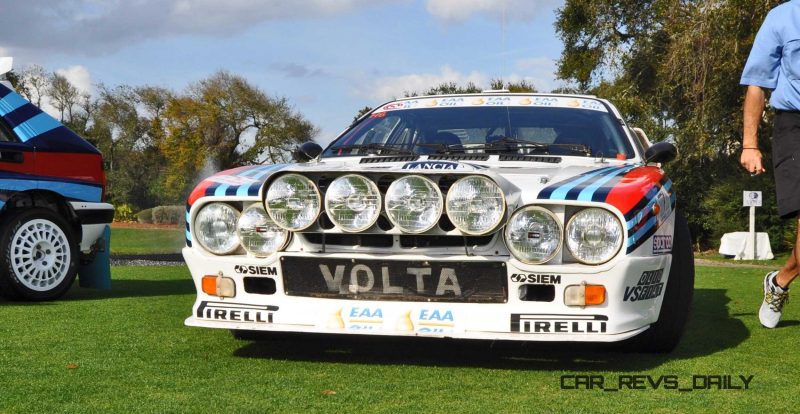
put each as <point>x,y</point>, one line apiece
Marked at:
<point>772,306</point>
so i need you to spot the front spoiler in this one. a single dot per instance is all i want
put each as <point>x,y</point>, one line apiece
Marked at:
<point>203,323</point>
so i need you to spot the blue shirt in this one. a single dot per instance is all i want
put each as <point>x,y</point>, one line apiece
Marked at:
<point>774,61</point>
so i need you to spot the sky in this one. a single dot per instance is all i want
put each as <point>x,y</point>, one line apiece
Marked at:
<point>329,58</point>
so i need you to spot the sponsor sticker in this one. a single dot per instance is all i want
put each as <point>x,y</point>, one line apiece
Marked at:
<point>649,286</point>
<point>558,324</point>
<point>536,279</point>
<point>256,270</point>
<point>433,165</point>
<point>662,244</point>
<point>236,312</point>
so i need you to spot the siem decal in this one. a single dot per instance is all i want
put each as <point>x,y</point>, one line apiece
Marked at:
<point>537,279</point>
<point>662,244</point>
<point>649,286</point>
<point>256,270</point>
<point>558,324</point>
<point>236,312</point>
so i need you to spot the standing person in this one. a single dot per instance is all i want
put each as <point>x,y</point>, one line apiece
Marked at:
<point>774,64</point>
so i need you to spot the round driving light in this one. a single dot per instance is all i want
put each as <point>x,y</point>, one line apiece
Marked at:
<point>533,235</point>
<point>293,202</point>
<point>258,234</point>
<point>414,204</point>
<point>594,236</point>
<point>475,205</point>
<point>353,202</point>
<point>215,228</point>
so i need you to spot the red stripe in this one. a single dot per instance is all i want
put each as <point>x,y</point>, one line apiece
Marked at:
<point>633,187</point>
<point>199,191</point>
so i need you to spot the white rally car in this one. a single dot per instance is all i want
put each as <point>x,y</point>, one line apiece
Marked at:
<point>486,216</point>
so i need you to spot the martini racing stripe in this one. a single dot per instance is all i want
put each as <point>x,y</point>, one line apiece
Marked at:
<point>10,102</point>
<point>561,190</point>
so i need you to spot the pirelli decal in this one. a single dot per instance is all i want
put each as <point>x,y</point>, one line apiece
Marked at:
<point>236,312</point>
<point>558,324</point>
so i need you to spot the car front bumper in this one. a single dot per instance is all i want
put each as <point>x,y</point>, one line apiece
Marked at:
<point>621,316</point>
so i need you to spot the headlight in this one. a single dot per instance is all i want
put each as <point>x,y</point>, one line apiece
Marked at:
<point>475,205</point>
<point>594,235</point>
<point>533,235</point>
<point>353,202</point>
<point>215,228</point>
<point>258,234</point>
<point>293,202</point>
<point>414,204</point>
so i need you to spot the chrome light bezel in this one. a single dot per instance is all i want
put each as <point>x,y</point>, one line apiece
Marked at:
<point>197,229</point>
<point>316,194</point>
<point>499,220</point>
<point>439,199</point>
<point>552,216</point>
<point>373,189</point>
<point>606,259</point>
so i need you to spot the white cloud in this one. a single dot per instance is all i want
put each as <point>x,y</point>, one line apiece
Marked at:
<point>458,11</point>
<point>390,87</point>
<point>79,77</point>
<point>92,26</point>
<point>540,71</point>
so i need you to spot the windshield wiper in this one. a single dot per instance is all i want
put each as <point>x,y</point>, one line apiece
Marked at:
<point>375,148</point>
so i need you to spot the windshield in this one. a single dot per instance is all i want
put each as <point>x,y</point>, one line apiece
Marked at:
<point>486,129</point>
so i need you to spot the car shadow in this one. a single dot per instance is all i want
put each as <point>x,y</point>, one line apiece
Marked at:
<point>709,310</point>
<point>119,289</point>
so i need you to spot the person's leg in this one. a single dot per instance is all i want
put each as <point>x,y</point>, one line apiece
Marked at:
<point>790,270</point>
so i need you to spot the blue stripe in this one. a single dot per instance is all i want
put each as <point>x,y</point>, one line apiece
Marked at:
<point>21,114</point>
<point>69,190</point>
<point>35,126</point>
<point>639,233</point>
<point>220,191</point>
<point>588,192</point>
<point>560,193</point>
<point>188,236</point>
<point>2,203</point>
<point>11,102</point>
<point>243,190</point>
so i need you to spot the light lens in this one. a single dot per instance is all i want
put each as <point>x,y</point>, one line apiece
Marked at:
<point>414,204</point>
<point>259,235</point>
<point>215,227</point>
<point>293,202</point>
<point>594,235</point>
<point>353,202</point>
<point>533,235</point>
<point>475,205</point>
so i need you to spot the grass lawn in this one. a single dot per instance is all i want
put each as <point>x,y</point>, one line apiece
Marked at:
<point>147,241</point>
<point>126,350</point>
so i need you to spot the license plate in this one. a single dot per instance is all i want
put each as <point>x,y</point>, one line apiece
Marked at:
<point>423,281</point>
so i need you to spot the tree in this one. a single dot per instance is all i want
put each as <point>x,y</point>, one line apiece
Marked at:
<point>35,82</point>
<point>673,67</point>
<point>223,122</point>
<point>63,95</point>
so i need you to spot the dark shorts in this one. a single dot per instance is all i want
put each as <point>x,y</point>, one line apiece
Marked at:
<point>786,162</point>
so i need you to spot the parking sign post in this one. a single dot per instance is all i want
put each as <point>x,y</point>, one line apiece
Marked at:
<point>752,199</point>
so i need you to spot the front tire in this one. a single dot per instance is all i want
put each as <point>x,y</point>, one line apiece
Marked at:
<point>39,255</point>
<point>664,335</point>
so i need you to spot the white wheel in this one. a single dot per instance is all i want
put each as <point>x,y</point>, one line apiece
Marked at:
<point>40,255</point>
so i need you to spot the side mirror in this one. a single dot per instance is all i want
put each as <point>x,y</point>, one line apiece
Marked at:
<point>306,152</point>
<point>660,152</point>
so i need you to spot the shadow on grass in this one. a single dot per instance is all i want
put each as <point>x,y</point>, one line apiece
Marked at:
<point>119,289</point>
<point>709,310</point>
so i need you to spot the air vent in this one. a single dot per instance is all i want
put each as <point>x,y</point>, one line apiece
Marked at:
<point>529,158</point>
<point>459,157</point>
<point>399,158</point>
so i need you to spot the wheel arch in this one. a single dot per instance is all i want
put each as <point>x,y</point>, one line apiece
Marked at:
<point>44,199</point>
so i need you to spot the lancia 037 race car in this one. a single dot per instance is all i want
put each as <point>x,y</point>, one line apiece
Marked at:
<point>488,216</point>
<point>53,225</point>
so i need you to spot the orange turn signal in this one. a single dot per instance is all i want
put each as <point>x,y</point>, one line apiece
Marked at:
<point>584,295</point>
<point>595,294</point>
<point>223,287</point>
